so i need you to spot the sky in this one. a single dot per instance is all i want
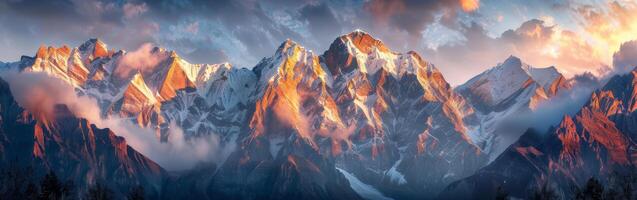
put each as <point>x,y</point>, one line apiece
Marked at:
<point>460,37</point>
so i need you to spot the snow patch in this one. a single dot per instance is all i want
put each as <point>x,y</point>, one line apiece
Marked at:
<point>366,191</point>
<point>275,146</point>
<point>394,175</point>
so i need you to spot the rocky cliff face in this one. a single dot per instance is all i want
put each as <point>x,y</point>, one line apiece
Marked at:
<point>509,89</point>
<point>597,141</point>
<point>163,89</point>
<point>388,119</point>
<point>310,126</point>
<point>406,115</point>
<point>73,148</point>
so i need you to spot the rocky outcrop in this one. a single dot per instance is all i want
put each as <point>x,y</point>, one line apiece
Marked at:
<point>389,120</point>
<point>595,142</point>
<point>384,118</point>
<point>509,89</point>
<point>73,148</point>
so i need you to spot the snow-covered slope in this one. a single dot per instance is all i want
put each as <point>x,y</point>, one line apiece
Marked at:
<point>375,113</point>
<point>597,141</point>
<point>406,117</point>
<point>366,191</point>
<point>73,148</point>
<point>506,90</point>
<point>205,98</point>
<point>389,119</point>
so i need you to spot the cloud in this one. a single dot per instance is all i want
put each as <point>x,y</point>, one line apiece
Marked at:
<point>193,28</point>
<point>39,93</point>
<point>133,10</point>
<point>244,31</point>
<point>412,17</point>
<point>587,80</point>
<point>470,5</point>
<point>322,23</point>
<point>568,102</point>
<point>206,148</point>
<point>550,112</point>
<point>610,24</point>
<point>625,59</point>
<point>207,55</point>
<point>144,59</point>
<point>72,21</point>
<point>535,42</point>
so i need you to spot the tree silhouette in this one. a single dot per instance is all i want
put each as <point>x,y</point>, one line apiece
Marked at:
<point>16,183</point>
<point>99,192</point>
<point>50,187</point>
<point>137,193</point>
<point>544,192</point>
<point>32,191</point>
<point>500,194</point>
<point>621,185</point>
<point>593,190</point>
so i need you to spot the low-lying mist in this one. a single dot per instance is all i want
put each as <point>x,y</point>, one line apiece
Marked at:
<point>38,93</point>
<point>568,102</point>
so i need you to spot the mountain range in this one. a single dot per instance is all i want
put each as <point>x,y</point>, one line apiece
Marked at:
<point>358,121</point>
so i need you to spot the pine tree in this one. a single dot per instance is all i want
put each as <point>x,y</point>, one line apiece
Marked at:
<point>500,194</point>
<point>628,185</point>
<point>621,185</point>
<point>67,189</point>
<point>593,190</point>
<point>99,192</point>
<point>545,192</point>
<point>15,182</point>
<point>137,193</point>
<point>50,187</point>
<point>31,191</point>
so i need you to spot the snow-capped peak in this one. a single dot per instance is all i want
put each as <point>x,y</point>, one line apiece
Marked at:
<point>544,76</point>
<point>91,44</point>
<point>512,61</point>
<point>288,52</point>
<point>364,41</point>
<point>505,79</point>
<point>92,49</point>
<point>358,30</point>
<point>287,48</point>
<point>138,83</point>
<point>359,51</point>
<point>508,89</point>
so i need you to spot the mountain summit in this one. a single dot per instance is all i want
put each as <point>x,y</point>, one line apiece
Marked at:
<point>357,118</point>
<point>509,89</point>
<point>598,142</point>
